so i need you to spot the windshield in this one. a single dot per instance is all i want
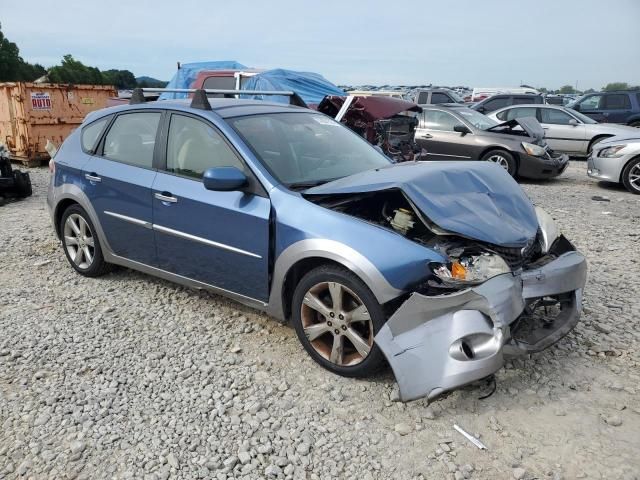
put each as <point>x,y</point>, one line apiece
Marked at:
<point>583,118</point>
<point>475,118</point>
<point>306,149</point>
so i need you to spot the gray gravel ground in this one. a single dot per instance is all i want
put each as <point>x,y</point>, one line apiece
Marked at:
<point>128,376</point>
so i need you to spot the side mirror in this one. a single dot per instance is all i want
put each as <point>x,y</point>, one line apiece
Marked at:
<point>460,128</point>
<point>224,179</point>
<point>573,122</point>
<point>576,107</point>
<point>481,109</point>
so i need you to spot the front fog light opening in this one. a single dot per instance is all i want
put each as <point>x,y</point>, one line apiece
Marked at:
<point>476,346</point>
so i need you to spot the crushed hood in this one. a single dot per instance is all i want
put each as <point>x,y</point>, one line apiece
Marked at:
<point>477,200</point>
<point>529,124</point>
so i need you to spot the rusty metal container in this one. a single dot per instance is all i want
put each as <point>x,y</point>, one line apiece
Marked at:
<point>31,113</point>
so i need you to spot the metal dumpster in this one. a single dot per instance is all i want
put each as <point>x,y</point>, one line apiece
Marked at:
<point>31,113</point>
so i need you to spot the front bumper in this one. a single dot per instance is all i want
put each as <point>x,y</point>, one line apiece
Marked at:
<point>539,168</point>
<point>439,343</point>
<point>606,169</point>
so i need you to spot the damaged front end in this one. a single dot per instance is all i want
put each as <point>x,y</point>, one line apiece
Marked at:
<point>511,285</point>
<point>436,343</point>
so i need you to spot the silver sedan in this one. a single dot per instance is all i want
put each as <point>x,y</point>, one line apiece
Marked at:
<point>617,160</point>
<point>566,130</point>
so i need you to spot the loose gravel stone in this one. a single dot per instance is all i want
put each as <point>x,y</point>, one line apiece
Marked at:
<point>128,376</point>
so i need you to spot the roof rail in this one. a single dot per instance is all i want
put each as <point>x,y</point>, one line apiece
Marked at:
<point>201,101</point>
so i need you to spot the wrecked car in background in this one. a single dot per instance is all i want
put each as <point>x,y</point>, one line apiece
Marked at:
<point>455,132</point>
<point>442,268</point>
<point>386,122</point>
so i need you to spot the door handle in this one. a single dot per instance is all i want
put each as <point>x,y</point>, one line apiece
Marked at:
<point>166,197</point>
<point>92,177</point>
<point>426,135</point>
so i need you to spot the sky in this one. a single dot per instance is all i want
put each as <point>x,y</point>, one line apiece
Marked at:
<point>543,43</point>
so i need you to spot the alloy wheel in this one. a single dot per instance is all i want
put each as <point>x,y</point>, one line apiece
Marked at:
<point>634,176</point>
<point>337,324</point>
<point>78,241</point>
<point>500,160</point>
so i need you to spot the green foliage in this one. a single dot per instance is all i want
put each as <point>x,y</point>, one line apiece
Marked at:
<point>122,79</point>
<point>74,71</point>
<point>12,67</point>
<point>567,89</point>
<point>612,87</point>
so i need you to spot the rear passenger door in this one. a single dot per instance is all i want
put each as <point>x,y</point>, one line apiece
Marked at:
<point>215,237</point>
<point>118,179</point>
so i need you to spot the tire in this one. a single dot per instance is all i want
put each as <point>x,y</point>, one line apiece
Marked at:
<point>502,158</point>
<point>631,176</point>
<point>320,334</point>
<point>78,235</point>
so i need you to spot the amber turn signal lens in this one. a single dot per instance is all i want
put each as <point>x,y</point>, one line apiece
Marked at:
<point>458,271</point>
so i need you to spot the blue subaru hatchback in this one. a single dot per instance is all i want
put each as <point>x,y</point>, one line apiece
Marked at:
<point>442,269</point>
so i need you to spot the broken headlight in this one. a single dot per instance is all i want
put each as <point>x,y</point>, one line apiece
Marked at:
<point>549,229</point>
<point>533,150</point>
<point>470,269</point>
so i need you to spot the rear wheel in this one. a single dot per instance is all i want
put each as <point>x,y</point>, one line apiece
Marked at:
<point>81,244</point>
<point>631,176</point>
<point>502,158</point>
<point>336,318</point>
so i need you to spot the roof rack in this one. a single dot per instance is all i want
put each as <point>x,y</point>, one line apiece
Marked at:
<point>201,101</point>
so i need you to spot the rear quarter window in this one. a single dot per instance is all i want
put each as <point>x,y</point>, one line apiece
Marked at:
<point>92,132</point>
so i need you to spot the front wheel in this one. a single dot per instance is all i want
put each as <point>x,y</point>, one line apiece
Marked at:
<point>81,244</point>
<point>502,158</point>
<point>631,176</point>
<point>336,318</point>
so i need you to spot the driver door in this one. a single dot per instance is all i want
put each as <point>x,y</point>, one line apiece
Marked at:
<point>220,238</point>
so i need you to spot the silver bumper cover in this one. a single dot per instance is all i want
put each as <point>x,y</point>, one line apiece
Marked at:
<point>439,343</point>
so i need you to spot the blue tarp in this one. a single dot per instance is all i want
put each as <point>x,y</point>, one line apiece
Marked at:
<point>312,87</point>
<point>187,73</point>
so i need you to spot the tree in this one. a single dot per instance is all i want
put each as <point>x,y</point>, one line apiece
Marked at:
<point>567,89</point>
<point>122,79</point>
<point>543,90</point>
<point>610,87</point>
<point>12,67</point>
<point>74,71</point>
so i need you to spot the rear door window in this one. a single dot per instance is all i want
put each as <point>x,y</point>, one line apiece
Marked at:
<point>617,101</point>
<point>91,133</point>
<point>132,137</point>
